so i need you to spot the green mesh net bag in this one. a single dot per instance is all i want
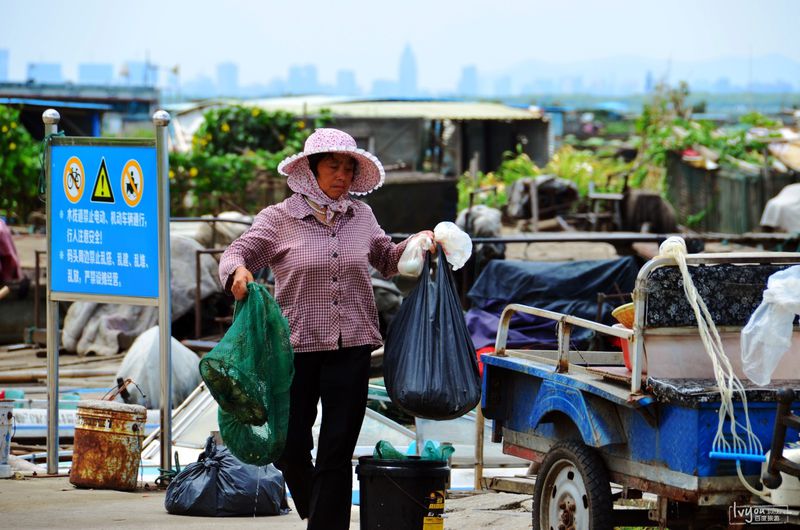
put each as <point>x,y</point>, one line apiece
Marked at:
<point>249,374</point>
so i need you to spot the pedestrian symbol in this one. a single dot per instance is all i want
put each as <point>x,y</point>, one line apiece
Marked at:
<point>74,179</point>
<point>132,183</point>
<point>102,185</point>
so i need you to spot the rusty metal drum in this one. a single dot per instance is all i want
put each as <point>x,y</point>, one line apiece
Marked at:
<point>108,445</point>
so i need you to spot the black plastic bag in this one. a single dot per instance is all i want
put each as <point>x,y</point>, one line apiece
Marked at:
<point>220,485</point>
<point>429,363</point>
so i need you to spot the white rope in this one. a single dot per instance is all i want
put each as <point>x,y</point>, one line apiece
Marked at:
<point>764,493</point>
<point>727,381</point>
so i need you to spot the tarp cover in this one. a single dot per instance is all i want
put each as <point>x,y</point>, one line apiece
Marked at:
<point>568,287</point>
<point>782,212</point>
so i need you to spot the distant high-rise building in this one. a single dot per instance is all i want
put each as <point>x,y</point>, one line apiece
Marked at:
<point>139,73</point>
<point>649,84</point>
<point>3,65</point>
<point>95,74</point>
<point>303,79</point>
<point>468,84</point>
<point>228,79</point>
<point>407,73</point>
<point>502,86</point>
<point>45,72</point>
<point>346,83</point>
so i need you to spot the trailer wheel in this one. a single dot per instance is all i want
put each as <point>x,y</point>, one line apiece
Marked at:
<point>572,490</point>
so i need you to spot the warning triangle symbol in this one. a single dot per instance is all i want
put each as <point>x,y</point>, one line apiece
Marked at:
<point>102,185</point>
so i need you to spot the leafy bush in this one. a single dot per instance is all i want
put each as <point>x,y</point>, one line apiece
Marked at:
<point>581,167</point>
<point>19,168</point>
<point>234,157</point>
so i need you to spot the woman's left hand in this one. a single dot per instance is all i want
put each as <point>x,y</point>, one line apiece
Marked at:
<point>431,239</point>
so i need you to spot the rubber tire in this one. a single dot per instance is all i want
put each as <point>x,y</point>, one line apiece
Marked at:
<point>592,469</point>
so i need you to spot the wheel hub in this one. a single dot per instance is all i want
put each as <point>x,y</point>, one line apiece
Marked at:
<point>566,514</point>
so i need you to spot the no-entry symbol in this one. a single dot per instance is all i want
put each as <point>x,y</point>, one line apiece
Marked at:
<point>132,183</point>
<point>74,179</point>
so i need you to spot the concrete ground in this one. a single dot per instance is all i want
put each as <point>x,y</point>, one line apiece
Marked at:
<point>47,503</point>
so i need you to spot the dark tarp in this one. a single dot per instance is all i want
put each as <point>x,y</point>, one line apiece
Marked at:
<point>569,287</point>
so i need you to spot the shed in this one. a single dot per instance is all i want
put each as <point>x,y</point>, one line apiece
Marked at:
<point>121,107</point>
<point>440,136</point>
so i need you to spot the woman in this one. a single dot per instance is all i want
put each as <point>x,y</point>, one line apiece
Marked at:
<point>319,244</point>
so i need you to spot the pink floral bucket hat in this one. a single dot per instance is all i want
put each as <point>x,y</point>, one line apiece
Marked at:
<point>369,174</point>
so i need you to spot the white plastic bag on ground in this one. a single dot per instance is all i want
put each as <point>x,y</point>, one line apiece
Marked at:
<point>456,243</point>
<point>142,363</point>
<point>413,256</point>
<point>768,334</point>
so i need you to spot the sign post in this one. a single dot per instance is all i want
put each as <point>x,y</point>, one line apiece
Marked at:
<point>161,120</point>
<point>108,242</point>
<point>50,117</point>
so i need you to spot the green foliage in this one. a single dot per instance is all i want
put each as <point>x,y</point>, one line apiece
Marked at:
<point>692,220</point>
<point>581,167</point>
<point>235,154</point>
<point>665,126</point>
<point>19,168</point>
<point>618,128</point>
<point>514,166</point>
<point>756,119</point>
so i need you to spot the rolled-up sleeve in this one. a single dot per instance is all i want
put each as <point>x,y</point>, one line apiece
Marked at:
<point>254,249</point>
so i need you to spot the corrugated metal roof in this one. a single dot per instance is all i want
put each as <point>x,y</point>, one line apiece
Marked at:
<point>352,107</point>
<point>433,110</point>
<point>54,103</point>
<point>366,108</point>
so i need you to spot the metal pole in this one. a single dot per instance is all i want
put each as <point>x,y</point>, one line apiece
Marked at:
<point>479,423</point>
<point>51,117</point>
<point>161,120</point>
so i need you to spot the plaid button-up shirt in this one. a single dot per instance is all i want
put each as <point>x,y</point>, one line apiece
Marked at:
<point>322,277</point>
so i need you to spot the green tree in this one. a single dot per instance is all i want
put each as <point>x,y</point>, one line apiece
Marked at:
<point>19,168</point>
<point>234,157</point>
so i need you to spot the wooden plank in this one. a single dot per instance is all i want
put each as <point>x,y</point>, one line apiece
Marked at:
<point>31,376</point>
<point>522,485</point>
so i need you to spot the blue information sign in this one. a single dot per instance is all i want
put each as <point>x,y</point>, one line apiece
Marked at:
<point>104,208</point>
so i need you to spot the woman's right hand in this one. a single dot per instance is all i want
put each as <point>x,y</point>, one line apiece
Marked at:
<point>241,277</point>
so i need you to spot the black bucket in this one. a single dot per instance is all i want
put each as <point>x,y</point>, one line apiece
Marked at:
<point>403,494</point>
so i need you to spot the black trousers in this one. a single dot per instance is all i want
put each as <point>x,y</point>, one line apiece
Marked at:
<point>322,491</point>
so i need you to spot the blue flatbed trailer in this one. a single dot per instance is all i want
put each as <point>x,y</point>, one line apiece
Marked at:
<point>586,421</point>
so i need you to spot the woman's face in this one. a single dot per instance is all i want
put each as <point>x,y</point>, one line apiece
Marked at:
<point>335,174</point>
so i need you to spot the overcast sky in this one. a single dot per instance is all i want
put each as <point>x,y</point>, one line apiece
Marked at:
<point>265,37</point>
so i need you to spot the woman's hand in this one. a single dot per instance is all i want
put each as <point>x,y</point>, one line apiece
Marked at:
<point>431,239</point>
<point>241,277</point>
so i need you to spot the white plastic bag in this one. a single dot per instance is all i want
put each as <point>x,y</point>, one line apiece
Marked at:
<point>456,243</point>
<point>413,257</point>
<point>142,364</point>
<point>768,334</point>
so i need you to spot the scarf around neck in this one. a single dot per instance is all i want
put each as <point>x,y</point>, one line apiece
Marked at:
<point>306,184</point>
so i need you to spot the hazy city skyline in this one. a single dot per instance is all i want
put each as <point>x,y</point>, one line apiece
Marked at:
<point>446,48</point>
